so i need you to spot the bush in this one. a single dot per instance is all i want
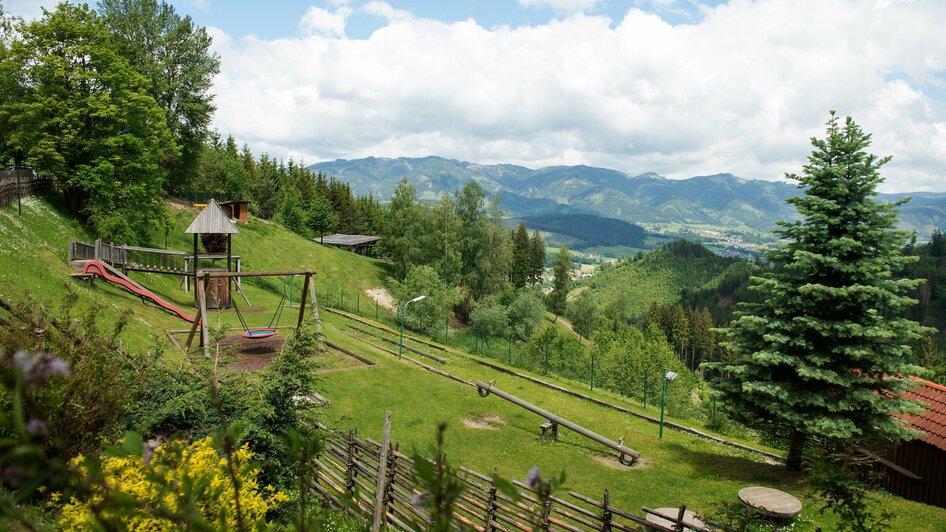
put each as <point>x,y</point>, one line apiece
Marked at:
<point>177,482</point>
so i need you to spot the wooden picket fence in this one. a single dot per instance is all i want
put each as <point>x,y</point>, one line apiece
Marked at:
<point>348,477</point>
<point>20,183</point>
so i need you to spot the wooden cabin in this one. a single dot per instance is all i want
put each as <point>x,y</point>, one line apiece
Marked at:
<point>238,210</point>
<point>918,470</point>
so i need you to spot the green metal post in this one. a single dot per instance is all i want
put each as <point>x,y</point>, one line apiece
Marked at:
<point>400,347</point>
<point>663,400</point>
<point>646,371</point>
<point>592,370</point>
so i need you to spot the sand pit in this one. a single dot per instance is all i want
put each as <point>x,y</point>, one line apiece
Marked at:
<point>485,423</point>
<point>382,297</point>
<point>612,462</point>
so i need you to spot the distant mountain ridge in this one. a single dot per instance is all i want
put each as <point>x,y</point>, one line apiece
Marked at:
<point>722,200</point>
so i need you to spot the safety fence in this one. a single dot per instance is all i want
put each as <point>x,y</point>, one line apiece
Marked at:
<point>353,471</point>
<point>22,182</point>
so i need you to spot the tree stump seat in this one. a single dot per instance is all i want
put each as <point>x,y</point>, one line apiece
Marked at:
<point>549,426</point>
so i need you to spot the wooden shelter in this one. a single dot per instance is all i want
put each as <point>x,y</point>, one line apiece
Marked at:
<point>354,243</point>
<point>916,469</point>
<point>212,220</point>
<point>238,210</point>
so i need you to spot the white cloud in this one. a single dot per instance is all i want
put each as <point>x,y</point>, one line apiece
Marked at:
<point>386,11</point>
<point>566,7</point>
<point>319,21</point>
<point>741,91</point>
<point>28,9</point>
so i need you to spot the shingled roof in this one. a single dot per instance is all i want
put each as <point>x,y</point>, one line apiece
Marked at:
<point>932,422</point>
<point>212,219</point>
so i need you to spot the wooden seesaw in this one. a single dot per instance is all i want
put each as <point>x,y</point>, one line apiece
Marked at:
<point>554,421</point>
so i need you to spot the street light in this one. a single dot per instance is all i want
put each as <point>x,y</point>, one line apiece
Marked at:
<point>400,350</point>
<point>668,376</point>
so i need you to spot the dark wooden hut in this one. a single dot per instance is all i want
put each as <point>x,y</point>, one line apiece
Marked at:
<point>356,243</point>
<point>916,469</point>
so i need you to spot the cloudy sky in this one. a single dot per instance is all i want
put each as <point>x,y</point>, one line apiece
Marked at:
<point>679,87</point>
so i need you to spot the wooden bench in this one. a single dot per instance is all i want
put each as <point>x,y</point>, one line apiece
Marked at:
<point>546,427</point>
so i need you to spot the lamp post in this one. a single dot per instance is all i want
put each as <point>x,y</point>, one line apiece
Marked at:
<point>668,376</point>
<point>400,349</point>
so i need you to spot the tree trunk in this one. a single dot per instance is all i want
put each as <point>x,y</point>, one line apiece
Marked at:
<point>796,445</point>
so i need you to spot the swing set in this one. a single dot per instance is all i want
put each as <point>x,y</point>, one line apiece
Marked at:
<point>251,333</point>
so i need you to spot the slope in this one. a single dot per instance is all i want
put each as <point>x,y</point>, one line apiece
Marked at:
<point>660,276</point>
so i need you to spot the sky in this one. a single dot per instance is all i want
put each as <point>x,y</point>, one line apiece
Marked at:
<point>677,87</point>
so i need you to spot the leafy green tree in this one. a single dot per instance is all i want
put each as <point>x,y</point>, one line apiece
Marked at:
<point>525,314</point>
<point>430,313</point>
<point>489,319</point>
<point>222,174</point>
<point>322,218</point>
<point>825,355</point>
<point>536,258</point>
<point>174,55</point>
<point>291,212</point>
<point>583,313</point>
<point>81,112</point>
<point>558,298</point>
<point>402,229</point>
<point>521,257</point>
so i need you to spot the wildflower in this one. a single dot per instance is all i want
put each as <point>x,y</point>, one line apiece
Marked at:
<point>534,479</point>
<point>37,427</point>
<point>37,368</point>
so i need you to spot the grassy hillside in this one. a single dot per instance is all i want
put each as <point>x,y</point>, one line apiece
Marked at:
<point>680,468</point>
<point>658,277</point>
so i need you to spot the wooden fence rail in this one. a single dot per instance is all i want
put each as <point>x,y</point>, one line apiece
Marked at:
<point>348,476</point>
<point>20,183</point>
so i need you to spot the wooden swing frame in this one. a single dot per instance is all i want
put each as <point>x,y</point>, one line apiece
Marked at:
<point>203,280</point>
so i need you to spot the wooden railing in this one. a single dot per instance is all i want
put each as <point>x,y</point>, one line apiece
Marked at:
<point>20,183</point>
<point>348,477</point>
<point>139,258</point>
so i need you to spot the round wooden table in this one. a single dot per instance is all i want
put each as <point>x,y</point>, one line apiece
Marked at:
<point>689,518</point>
<point>770,502</point>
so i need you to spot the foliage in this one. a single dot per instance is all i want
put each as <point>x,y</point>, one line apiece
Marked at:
<point>489,319</point>
<point>171,480</point>
<point>322,218</point>
<point>557,352</point>
<point>560,285</point>
<point>837,479</point>
<point>591,230</point>
<point>631,362</point>
<point>524,314</point>
<point>220,172</point>
<point>690,332</point>
<point>536,257</point>
<point>430,313</point>
<point>106,380</point>
<point>174,55</point>
<point>81,112</point>
<point>440,484</point>
<point>826,354</point>
<point>584,315</point>
<point>521,257</point>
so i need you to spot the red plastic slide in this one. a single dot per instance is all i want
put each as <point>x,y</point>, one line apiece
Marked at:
<point>112,275</point>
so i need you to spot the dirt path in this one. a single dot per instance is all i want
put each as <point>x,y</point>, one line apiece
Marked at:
<point>382,297</point>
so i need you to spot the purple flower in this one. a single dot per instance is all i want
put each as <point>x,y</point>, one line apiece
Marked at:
<point>534,479</point>
<point>37,368</point>
<point>37,426</point>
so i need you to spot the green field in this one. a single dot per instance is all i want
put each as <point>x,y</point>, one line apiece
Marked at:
<point>679,469</point>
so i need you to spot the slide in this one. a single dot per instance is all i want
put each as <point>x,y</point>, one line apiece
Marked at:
<point>110,274</point>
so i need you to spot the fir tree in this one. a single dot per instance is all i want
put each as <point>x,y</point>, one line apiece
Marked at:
<point>824,356</point>
<point>558,297</point>
<point>537,256</point>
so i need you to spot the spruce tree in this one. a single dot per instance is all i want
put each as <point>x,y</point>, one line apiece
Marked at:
<point>824,357</point>
<point>558,297</point>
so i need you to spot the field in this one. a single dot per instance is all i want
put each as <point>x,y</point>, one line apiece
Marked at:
<point>483,433</point>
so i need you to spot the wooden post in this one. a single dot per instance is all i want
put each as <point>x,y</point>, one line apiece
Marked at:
<point>315,316</point>
<point>229,259</point>
<point>190,337</point>
<point>350,465</point>
<point>491,505</point>
<point>194,266</point>
<point>679,522</point>
<point>305,293</point>
<point>202,309</point>
<point>379,513</point>
<point>97,254</point>
<point>606,515</point>
<point>71,254</point>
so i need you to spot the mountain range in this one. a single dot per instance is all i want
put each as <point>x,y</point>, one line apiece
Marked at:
<point>720,200</point>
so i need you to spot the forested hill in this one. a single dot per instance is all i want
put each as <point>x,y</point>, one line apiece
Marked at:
<point>590,229</point>
<point>626,291</point>
<point>720,199</point>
